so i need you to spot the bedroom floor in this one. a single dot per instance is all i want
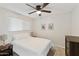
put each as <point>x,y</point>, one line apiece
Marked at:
<point>57,52</point>
<point>60,52</point>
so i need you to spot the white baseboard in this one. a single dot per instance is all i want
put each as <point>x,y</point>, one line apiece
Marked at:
<point>59,46</point>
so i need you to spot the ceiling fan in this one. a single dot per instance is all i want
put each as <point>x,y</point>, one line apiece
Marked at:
<point>39,9</point>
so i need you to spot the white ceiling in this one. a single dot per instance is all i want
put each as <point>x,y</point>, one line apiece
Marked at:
<point>56,8</point>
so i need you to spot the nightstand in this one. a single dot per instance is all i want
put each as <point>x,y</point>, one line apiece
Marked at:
<point>6,50</point>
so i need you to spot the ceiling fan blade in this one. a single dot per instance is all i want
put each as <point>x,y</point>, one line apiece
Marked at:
<point>44,5</point>
<point>31,6</point>
<point>32,12</point>
<point>45,11</point>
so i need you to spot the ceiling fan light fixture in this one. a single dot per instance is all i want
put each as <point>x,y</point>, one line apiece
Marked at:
<point>39,9</point>
<point>38,12</point>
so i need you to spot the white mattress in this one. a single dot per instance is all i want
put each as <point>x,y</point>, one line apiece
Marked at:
<point>31,46</point>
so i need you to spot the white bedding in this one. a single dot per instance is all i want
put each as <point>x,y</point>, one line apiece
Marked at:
<point>31,46</point>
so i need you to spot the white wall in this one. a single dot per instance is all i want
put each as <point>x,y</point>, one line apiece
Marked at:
<point>62,27</point>
<point>3,22</point>
<point>7,15</point>
<point>75,21</point>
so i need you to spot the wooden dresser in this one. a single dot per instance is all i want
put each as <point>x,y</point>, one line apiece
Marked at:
<point>72,45</point>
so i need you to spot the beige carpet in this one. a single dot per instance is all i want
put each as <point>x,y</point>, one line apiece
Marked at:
<point>57,52</point>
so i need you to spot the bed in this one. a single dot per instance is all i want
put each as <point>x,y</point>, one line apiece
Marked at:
<point>26,45</point>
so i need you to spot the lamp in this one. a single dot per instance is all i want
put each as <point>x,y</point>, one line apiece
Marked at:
<point>38,12</point>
